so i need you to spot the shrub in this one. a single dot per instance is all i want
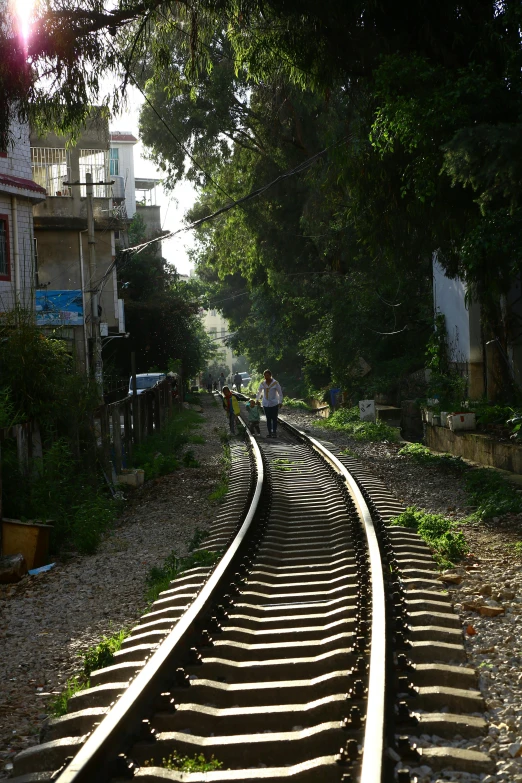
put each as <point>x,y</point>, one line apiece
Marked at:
<point>290,402</point>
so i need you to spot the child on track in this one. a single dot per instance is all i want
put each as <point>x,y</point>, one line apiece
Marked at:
<point>254,412</point>
<point>231,405</point>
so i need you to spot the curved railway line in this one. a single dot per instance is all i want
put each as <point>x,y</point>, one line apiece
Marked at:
<point>320,647</point>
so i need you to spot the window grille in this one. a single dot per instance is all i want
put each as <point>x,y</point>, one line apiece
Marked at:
<point>51,168</point>
<point>95,163</point>
<point>114,162</point>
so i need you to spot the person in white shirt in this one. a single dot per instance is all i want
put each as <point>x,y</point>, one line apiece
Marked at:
<point>271,394</point>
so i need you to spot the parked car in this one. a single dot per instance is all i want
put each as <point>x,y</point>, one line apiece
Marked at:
<point>246,378</point>
<point>146,380</point>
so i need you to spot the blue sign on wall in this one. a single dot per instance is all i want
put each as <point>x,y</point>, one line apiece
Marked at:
<point>59,308</point>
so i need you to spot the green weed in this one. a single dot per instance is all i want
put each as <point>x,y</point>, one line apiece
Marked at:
<point>189,460</point>
<point>197,439</point>
<point>492,494</point>
<point>422,455</point>
<point>219,493</point>
<point>160,577</point>
<point>348,453</point>
<point>160,453</point>
<point>438,532</point>
<point>187,764</point>
<point>197,539</point>
<point>290,402</point>
<point>282,464</point>
<point>58,706</point>
<point>102,654</point>
<point>347,420</point>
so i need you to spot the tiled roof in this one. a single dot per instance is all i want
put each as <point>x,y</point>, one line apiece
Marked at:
<point>10,181</point>
<point>120,136</point>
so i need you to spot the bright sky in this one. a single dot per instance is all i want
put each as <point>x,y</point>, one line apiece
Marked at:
<point>173,205</point>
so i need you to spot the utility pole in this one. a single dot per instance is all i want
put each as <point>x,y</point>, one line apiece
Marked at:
<point>95,299</point>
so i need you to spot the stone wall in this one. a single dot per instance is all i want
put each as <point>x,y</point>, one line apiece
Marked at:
<point>476,447</point>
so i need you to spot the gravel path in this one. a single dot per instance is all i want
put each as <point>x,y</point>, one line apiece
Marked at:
<point>491,576</point>
<point>46,619</point>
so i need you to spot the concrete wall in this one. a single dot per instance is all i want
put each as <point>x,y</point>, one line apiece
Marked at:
<point>449,299</point>
<point>18,160</point>
<point>475,447</point>
<point>463,328</point>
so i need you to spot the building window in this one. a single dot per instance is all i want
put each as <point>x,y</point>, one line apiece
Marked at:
<point>95,163</point>
<point>5,261</point>
<point>213,312</point>
<point>114,162</point>
<point>223,331</point>
<point>212,331</point>
<point>51,168</point>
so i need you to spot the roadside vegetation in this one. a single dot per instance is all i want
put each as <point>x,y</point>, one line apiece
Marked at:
<point>347,420</point>
<point>447,544</point>
<point>159,577</point>
<point>218,494</point>
<point>161,452</point>
<point>423,456</point>
<point>291,402</point>
<point>96,657</point>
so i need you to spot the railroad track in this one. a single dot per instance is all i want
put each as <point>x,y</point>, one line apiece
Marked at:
<point>321,647</point>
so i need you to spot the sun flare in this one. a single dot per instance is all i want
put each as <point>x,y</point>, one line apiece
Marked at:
<point>24,11</point>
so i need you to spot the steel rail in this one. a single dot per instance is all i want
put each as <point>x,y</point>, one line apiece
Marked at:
<point>373,743</point>
<point>92,761</point>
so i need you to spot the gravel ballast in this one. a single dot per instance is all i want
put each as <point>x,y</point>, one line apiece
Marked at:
<point>48,618</point>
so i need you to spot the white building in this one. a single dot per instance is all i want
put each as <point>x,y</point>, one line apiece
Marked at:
<point>122,165</point>
<point>218,330</point>
<point>18,194</point>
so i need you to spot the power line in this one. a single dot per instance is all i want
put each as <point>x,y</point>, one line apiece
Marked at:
<point>238,202</point>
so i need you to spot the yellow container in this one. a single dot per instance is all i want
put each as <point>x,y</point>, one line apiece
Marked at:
<point>29,538</point>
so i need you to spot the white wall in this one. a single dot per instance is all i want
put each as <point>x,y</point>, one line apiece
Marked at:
<point>449,299</point>
<point>126,158</point>
<point>18,160</point>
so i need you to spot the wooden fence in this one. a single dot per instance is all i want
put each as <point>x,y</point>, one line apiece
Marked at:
<point>121,425</point>
<point>118,428</point>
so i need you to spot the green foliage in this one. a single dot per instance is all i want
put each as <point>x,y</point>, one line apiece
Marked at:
<point>102,654</point>
<point>282,464</point>
<point>74,501</point>
<point>492,494</point>
<point>58,705</point>
<point>487,413</point>
<point>181,763</point>
<point>289,402</point>
<point>439,533</point>
<point>161,452</point>
<point>159,578</point>
<point>218,494</point>
<point>344,420</point>
<point>423,455</point>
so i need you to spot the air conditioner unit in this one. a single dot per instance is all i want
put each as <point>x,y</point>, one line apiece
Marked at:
<point>118,189</point>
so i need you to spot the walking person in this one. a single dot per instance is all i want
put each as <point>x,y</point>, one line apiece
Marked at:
<point>238,380</point>
<point>271,394</point>
<point>231,405</point>
<point>209,383</point>
<point>222,381</point>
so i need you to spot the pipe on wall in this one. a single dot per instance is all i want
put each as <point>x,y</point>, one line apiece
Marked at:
<point>16,249</point>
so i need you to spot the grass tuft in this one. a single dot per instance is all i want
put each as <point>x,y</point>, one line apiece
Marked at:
<point>218,494</point>
<point>492,494</point>
<point>448,545</point>
<point>423,456</point>
<point>290,402</point>
<point>198,763</point>
<point>58,706</point>
<point>347,420</point>
<point>160,577</point>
